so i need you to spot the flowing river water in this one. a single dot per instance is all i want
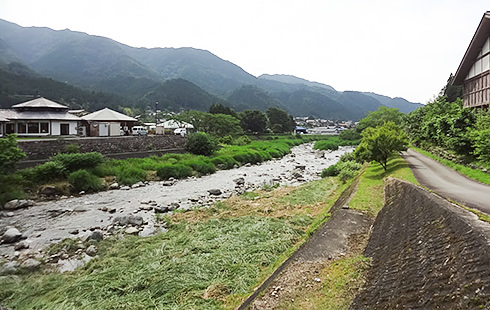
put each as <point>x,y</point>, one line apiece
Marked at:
<point>73,217</point>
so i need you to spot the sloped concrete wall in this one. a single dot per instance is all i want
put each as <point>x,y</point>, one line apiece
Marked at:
<point>426,254</point>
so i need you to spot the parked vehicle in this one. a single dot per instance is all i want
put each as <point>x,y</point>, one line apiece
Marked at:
<point>180,131</point>
<point>139,131</point>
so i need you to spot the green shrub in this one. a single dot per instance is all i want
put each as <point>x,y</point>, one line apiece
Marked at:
<point>11,188</point>
<point>200,144</point>
<point>224,162</point>
<point>82,180</point>
<point>129,175</point>
<point>242,140</point>
<point>49,171</point>
<point>177,171</point>
<point>77,161</point>
<point>348,170</point>
<point>326,145</point>
<point>330,171</point>
<point>226,140</point>
<point>202,165</point>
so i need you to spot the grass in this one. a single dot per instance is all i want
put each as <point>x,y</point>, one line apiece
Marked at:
<point>474,174</point>
<point>369,195</point>
<point>210,258</point>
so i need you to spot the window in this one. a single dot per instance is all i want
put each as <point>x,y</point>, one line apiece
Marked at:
<point>44,127</point>
<point>32,127</point>
<point>10,128</point>
<point>21,127</point>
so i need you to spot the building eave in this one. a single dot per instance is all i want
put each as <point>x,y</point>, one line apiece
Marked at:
<point>481,35</point>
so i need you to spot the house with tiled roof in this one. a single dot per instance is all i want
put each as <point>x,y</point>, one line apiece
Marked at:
<point>38,117</point>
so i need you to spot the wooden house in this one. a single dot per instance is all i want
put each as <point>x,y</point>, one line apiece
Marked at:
<point>474,71</point>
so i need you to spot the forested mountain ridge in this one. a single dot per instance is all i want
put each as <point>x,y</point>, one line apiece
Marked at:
<point>141,76</point>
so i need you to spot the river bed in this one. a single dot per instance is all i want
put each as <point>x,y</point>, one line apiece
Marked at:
<point>73,217</point>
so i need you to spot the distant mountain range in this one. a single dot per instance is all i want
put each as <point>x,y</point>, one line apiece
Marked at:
<point>88,71</point>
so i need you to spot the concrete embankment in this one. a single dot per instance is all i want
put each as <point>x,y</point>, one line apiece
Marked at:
<point>427,253</point>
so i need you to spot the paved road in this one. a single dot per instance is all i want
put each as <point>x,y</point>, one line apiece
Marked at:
<point>447,182</point>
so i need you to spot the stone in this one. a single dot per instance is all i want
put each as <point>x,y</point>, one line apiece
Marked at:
<point>9,268</point>
<point>239,181</point>
<point>125,188</point>
<point>173,206</point>
<point>139,184</point>
<point>128,219</point>
<point>18,204</point>
<point>96,235</point>
<point>48,191</point>
<point>91,250</point>
<point>167,183</point>
<point>21,246</point>
<point>160,209</point>
<point>74,232</point>
<point>300,167</point>
<point>80,209</point>
<point>132,231</point>
<point>215,192</point>
<point>31,264</point>
<point>12,235</point>
<point>114,186</point>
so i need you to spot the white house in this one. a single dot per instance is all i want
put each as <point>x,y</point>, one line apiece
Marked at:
<point>38,117</point>
<point>107,122</point>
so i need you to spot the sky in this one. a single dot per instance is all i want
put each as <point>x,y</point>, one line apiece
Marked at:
<point>397,48</point>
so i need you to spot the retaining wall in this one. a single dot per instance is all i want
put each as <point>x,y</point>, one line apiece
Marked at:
<point>426,254</point>
<point>44,148</point>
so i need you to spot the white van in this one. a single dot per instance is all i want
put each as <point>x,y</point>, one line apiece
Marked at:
<point>139,131</point>
<point>180,131</point>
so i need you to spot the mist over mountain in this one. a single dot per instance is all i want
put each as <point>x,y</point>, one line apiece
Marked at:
<point>55,63</point>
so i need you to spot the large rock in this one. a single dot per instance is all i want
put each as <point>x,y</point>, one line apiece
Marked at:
<point>132,231</point>
<point>18,204</point>
<point>48,191</point>
<point>91,250</point>
<point>239,181</point>
<point>9,268</point>
<point>12,235</point>
<point>215,192</point>
<point>31,264</point>
<point>129,219</point>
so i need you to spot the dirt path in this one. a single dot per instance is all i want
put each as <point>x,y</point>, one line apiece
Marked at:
<point>447,182</point>
<point>52,221</point>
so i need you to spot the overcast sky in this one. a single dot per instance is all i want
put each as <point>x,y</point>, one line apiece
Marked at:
<point>403,48</point>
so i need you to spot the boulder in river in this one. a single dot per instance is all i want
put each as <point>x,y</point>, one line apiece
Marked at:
<point>12,235</point>
<point>18,204</point>
<point>215,192</point>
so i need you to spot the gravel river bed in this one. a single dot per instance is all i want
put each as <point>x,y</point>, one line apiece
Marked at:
<point>51,221</point>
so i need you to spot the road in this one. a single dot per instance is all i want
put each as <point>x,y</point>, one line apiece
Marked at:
<point>447,182</point>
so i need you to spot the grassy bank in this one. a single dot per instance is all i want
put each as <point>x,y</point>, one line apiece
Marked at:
<point>209,259</point>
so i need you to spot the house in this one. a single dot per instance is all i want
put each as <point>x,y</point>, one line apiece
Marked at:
<point>106,122</point>
<point>474,70</point>
<point>170,125</point>
<point>2,125</point>
<point>38,117</point>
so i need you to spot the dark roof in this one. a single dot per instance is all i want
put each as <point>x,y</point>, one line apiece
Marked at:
<point>481,35</point>
<point>40,103</point>
<point>11,114</point>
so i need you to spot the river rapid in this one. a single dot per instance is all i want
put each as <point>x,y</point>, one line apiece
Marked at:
<point>49,222</point>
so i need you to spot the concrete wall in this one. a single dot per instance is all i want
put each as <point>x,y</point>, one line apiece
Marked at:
<point>426,254</point>
<point>44,148</point>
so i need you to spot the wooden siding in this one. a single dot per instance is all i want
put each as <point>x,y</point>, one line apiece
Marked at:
<point>476,91</point>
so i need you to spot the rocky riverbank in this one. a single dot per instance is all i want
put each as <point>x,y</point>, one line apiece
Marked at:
<point>89,218</point>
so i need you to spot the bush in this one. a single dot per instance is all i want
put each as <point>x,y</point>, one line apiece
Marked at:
<point>224,162</point>
<point>177,171</point>
<point>330,171</point>
<point>49,171</point>
<point>82,180</point>
<point>201,165</point>
<point>226,140</point>
<point>200,144</point>
<point>11,188</point>
<point>242,140</point>
<point>129,175</point>
<point>326,145</point>
<point>348,170</point>
<point>78,161</point>
<point>72,148</point>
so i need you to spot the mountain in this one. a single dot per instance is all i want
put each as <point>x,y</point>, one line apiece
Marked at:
<point>178,78</point>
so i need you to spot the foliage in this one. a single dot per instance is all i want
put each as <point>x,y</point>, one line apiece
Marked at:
<point>253,121</point>
<point>11,188</point>
<point>49,171</point>
<point>177,171</point>
<point>219,108</point>
<point>242,140</point>
<point>129,175</point>
<point>76,161</point>
<point>331,171</point>
<point>82,180</point>
<point>226,140</point>
<point>200,144</point>
<point>348,170</point>
<point>327,145</point>
<point>379,117</point>
<point>201,165</point>
<point>350,135</point>
<point>218,125</point>
<point>9,153</point>
<point>279,120</point>
<point>382,142</point>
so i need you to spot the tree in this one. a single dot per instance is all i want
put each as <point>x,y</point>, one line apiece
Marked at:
<point>379,117</point>
<point>382,142</point>
<point>279,120</point>
<point>200,144</point>
<point>218,125</point>
<point>9,153</point>
<point>218,108</point>
<point>254,121</point>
